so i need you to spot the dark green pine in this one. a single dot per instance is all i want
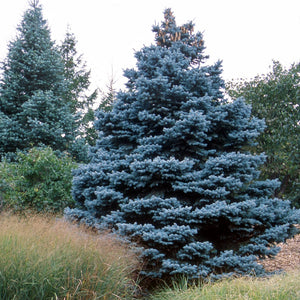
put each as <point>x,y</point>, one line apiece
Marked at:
<point>31,108</point>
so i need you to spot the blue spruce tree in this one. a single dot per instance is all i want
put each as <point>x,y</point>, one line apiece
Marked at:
<point>169,171</point>
<point>32,110</point>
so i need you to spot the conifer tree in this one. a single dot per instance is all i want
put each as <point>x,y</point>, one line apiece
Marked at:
<point>78,84</point>
<point>169,172</point>
<point>32,110</point>
<point>108,97</point>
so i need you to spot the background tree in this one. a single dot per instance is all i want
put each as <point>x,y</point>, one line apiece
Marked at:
<point>78,84</point>
<point>31,108</point>
<point>108,96</point>
<point>169,171</point>
<point>276,98</point>
<point>107,99</point>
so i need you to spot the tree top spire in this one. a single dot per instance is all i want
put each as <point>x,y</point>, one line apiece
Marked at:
<point>168,33</point>
<point>34,3</point>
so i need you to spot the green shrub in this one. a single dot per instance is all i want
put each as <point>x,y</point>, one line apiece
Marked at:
<point>39,180</point>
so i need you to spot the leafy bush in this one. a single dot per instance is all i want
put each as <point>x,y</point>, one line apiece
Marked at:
<point>38,180</point>
<point>275,97</point>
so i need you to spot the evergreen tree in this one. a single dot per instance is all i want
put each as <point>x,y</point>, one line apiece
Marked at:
<point>78,84</point>
<point>168,170</point>
<point>108,97</point>
<point>32,110</point>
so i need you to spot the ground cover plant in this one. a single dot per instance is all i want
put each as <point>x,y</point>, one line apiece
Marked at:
<point>170,171</point>
<point>47,258</point>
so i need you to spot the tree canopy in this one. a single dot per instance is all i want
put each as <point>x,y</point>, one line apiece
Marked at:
<point>275,97</point>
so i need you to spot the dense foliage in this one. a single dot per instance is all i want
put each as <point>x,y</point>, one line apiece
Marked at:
<point>39,180</point>
<point>169,170</point>
<point>32,110</point>
<point>276,98</point>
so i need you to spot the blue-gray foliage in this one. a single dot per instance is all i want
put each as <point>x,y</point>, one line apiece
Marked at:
<point>169,171</point>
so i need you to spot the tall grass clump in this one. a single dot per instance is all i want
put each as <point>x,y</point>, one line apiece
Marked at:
<point>46,258</point>
<point>277,287</point>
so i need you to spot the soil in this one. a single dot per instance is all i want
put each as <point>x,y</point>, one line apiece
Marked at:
<point>287,259</point>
